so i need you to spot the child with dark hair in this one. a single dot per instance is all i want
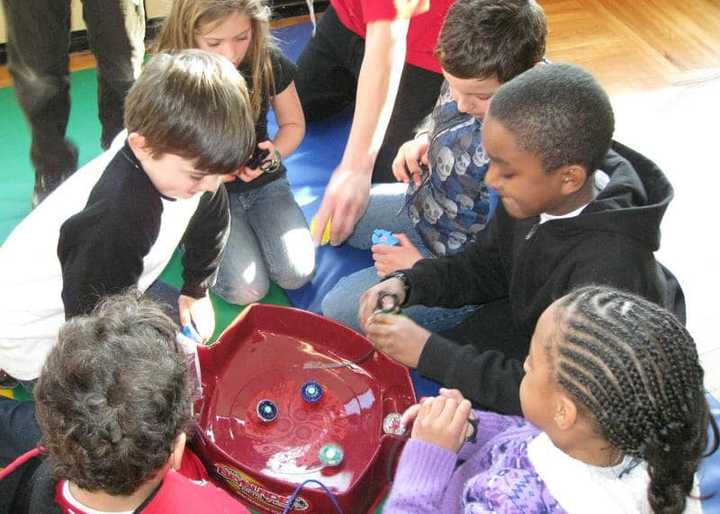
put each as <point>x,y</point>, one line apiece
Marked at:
<point>439,211</point>
<point>113,402</point>
<point>616,421</point>
<point>575,210</point>
<point>117,221</point>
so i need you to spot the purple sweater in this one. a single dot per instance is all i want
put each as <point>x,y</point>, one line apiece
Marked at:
<point>492,475</point>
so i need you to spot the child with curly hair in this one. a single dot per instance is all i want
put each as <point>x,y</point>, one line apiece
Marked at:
<point>113,402</point>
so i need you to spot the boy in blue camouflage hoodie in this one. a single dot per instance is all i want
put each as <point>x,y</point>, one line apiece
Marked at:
<point>445,204</point>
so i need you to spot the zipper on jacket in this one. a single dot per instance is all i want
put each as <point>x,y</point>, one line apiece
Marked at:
<point>532,231</point>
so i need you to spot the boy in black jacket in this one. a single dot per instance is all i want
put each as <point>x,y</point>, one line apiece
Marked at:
<point>117,221</point>
<point>575,210</point>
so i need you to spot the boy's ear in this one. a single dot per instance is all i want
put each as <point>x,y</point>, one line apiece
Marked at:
<point>178,450</point>
<point>565,412</point>
<point>572,178</point>
<point>138,144</point>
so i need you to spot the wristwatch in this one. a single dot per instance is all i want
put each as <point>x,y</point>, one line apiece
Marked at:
<point>400,275</point>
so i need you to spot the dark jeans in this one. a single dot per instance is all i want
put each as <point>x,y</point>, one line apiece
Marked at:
<point>167,296</point>
<point>326,81</point>
<point>38,41</point>
<point>19,430</point>
<point>19,433</point>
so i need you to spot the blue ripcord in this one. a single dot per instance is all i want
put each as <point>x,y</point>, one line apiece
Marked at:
<point>298,490</point>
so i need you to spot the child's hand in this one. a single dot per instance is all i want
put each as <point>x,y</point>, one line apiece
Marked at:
<point>407,162</point>
<point>344,202</point>
<point>392,258</point>
<point>455,394</point>
<point>198,312</point>
<point>245,174</point>
<point>458,397</point>
<point>249,174</point>
<point>369,299</point>
<point>441,421</point>
<point>398,337</point>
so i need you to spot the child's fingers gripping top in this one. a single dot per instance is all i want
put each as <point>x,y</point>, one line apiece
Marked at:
<point>459,424</point>
<point>410,414</point>
<point>452,393</point>
<point>442,421</point>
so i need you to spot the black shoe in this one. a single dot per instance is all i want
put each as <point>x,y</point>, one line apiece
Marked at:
<point>52,167</point>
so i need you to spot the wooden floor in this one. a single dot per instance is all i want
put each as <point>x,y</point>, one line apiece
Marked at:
<point>630,45</point>
<point>660,62</point>
<point>636,45</point>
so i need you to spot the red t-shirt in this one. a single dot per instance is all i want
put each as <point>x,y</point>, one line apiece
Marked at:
<point>183,491</point>
<point>422,34</point>
<point>176,495</point>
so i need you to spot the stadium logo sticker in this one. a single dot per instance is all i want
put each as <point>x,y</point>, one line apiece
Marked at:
<point>251,490</point>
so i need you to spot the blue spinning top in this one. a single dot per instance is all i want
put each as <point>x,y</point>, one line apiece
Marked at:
<point>384,237</point>
<point>311,391</point>
<point>267,411</point>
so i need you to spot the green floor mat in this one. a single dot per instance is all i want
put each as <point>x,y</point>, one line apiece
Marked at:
<point>17,175</point>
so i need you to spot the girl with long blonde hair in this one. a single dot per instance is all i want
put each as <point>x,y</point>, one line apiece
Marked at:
<point>269,237</point>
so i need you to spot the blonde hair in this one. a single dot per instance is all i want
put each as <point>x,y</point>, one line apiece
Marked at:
<point>188,16</point>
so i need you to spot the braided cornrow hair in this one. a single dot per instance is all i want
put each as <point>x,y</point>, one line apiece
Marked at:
<point>634,368</point>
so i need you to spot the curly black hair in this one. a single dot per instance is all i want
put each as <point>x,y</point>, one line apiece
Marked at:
<point>634,368</point>
<point>113,396</point>
<point>483,39</point>
<point>559,113</point>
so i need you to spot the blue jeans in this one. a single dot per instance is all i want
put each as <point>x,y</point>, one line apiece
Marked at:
<point>167,296</point>
<point>342,302</point>
<point>269,240</point>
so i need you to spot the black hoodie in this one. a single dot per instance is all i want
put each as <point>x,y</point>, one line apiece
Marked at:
<point>517,268</point>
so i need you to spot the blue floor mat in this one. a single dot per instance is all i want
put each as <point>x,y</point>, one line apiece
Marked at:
<point>309,169</point>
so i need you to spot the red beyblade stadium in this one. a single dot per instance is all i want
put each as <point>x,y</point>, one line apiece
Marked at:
<point>291,397</point>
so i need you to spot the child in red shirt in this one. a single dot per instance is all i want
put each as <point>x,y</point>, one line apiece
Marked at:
<point>380,55</point>
<point>113,402</point>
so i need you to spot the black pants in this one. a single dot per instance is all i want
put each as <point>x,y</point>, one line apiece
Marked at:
<point>37,47</point>
<point>327,77</point>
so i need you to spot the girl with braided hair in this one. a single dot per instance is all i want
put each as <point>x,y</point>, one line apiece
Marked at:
<point>616,421</point>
